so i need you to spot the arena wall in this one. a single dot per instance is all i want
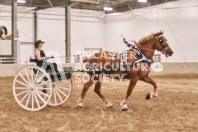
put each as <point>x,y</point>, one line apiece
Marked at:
<point>90,30</point>
<point>87,30</point>
<point>177,19</point>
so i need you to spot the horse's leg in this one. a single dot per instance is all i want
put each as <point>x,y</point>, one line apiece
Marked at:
<point>132,84</point>
<point>151,81</point>
<point>98,91</point>
<point>85,88</point>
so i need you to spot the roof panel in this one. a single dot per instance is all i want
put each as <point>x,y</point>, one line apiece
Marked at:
<point>117,5</point>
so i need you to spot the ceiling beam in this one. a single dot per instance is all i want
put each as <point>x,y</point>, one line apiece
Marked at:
<point>49,1</point>
<point>86,1</point>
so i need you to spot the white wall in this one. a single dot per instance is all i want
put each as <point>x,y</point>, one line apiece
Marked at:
<point>24,22</point>
<point>87,30</point>
<point>5,17</point>
<point>180,26</point>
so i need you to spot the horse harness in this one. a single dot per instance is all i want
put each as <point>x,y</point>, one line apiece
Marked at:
<point>159,39</point>
<point>134,47</point>
<point>123,56</point>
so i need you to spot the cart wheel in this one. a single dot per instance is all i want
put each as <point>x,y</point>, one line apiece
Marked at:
<point>61,92</point>
<point>32,88</point>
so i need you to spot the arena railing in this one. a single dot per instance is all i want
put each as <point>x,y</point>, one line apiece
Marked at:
<point>7,60</point>
<point>180,59</point>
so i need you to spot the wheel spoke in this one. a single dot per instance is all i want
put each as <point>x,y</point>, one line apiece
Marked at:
<point>58,95</point>
<point>64,88</point>
<point>27,102</point>
<point>42,83</point>
<point>24,97</point>
<point>21,83</point>
<point>36,76</point>
<point>40,78</point>
<point>46,96</point>
<point>40,97</point>
<point>62,92</point>
<point>21,88</point>
<point>27,76</point>
<point>55,96</point>
<point>43,93</point>
<point>36,100</point>
<point>32,76</point>
<point>22,92</point>
<point>32,100</point>
<point>23,79</point>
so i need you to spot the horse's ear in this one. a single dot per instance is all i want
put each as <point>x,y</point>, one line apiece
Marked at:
<point>159,33</point>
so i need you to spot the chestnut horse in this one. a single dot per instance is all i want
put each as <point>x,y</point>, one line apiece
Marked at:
<point>147,45</point>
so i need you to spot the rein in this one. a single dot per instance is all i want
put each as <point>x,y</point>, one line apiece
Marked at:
<point>147,49</point>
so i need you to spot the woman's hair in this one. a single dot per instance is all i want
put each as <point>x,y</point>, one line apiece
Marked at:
<point>36,45</point>
<point>38,42</point>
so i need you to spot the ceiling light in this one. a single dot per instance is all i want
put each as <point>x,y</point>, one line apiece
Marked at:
<point>108,9</point>
<point>144,1</point>
<point>21,1</point>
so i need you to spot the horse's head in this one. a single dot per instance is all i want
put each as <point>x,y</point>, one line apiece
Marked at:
<point>162,45</point>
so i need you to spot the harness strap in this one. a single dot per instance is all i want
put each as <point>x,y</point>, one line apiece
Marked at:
<point>143,57</point>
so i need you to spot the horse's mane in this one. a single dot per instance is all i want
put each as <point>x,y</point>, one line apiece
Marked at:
<point>145,39</point>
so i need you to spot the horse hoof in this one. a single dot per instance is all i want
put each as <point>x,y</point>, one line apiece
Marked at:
<point>79,107</point>
<point>148,96</point>
<point>110,107</point>
<point>125,109</point>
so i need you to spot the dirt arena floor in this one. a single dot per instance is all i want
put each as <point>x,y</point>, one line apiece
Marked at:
<point>175,109</point>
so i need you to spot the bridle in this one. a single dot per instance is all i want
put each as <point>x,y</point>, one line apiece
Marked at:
<point>160,40</point>
<point>157,39</point>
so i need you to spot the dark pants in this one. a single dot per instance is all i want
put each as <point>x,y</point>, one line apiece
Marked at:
<point>48,68</point>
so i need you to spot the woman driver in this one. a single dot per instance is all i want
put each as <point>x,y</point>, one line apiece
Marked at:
<point>41,59</point>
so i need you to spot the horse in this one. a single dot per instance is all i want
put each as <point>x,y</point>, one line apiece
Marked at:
<point>148,45</point>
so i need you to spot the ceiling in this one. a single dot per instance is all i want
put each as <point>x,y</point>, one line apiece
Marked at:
<point>117,5</point>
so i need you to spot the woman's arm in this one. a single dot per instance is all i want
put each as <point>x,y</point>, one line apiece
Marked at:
<point>38,56</point>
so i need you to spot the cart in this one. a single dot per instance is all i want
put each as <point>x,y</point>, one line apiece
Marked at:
<point>34,87</point>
